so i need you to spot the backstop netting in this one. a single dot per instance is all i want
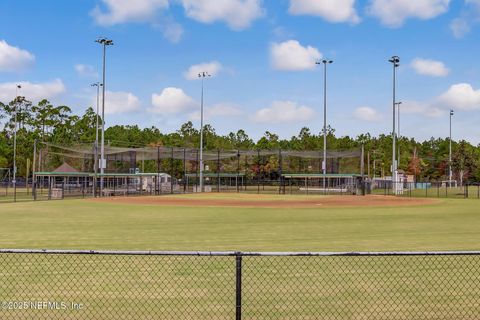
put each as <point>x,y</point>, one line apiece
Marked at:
<point>72,171</point>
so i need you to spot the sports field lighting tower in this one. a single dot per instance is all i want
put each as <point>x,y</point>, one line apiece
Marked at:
<point>16,105</point>
<point>202,76</point>
<point>104,42</point>
<point>95,166</point>
<point>450,175</point>
<point>395,61</point>
<point>397,104</point>
<point>324,164</point>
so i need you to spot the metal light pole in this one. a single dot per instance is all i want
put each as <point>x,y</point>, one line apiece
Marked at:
<point>395,60</point>
<point>202,75</point>
<point>450,175</point>
<point>95,166</point>
<point>398,130</point>
<point>104,42</point>
<point>324,164</point>
<point>14,180</point>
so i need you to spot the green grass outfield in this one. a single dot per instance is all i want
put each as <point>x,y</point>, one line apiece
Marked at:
<point>116,287</point>
<point>82,224</point>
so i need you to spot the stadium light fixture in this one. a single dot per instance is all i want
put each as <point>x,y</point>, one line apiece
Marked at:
<point>395,61</point>
<point>325,62</point>
<point>202,76</point>
<point>104,42</point>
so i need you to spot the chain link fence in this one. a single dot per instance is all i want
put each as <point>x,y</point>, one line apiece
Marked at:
<point>20,191</point>
<point>233,285</point>
<point>59,188</point>
<point>431,189</point>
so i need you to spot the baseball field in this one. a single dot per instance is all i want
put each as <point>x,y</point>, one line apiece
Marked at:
<point>243,222</point>
<point>186,287</point>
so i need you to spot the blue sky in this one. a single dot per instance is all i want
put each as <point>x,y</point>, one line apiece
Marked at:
<point>261,55</point>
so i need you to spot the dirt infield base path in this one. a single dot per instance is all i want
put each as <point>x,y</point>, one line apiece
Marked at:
<point>269,201</point>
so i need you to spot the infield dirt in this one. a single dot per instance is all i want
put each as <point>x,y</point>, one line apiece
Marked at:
<point>265,201</point>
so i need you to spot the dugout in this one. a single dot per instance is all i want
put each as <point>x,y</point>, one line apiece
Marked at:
<point>218,182</point>
<point>348,184</point>
<point>57,185</point>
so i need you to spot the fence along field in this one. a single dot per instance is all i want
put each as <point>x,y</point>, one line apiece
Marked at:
<point>62,171</point>
<point>68,171</point>
<point>229,285</point>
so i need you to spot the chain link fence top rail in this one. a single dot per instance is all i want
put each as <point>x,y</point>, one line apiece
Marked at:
<point>36,284</point>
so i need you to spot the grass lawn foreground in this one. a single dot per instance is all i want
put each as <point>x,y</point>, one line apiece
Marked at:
<point>448,224</point>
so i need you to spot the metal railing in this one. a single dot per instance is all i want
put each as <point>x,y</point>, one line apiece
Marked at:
<point>59,284</point>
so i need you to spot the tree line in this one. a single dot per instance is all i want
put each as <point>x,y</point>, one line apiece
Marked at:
<point>426,160</point>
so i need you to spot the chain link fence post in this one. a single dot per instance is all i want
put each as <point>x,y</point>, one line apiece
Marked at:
<point>238,288</point>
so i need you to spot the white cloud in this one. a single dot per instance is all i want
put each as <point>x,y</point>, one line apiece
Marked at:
<point>282,32</point>
<point>121,11</point>
<point>461,96</point>
<point>469,17</point>
<point>429,109</point>
<point>429,67</point>
<point>31,91</point>
<point>393,13</point>
<point>459,27</point>
<point>238,14</point>
<point>172,100</point>
<point>173,31</point>
<point>13,58</point>
<point>218,111</point>
<point>330,10</point>
<point>367,114</point>
<point>224,110</point>
<point>284,111</point>
<point>124,11</point>
<point>119,102</point>
<point>213,68</point>
<point>85,70</point>
<point>292,56</point>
